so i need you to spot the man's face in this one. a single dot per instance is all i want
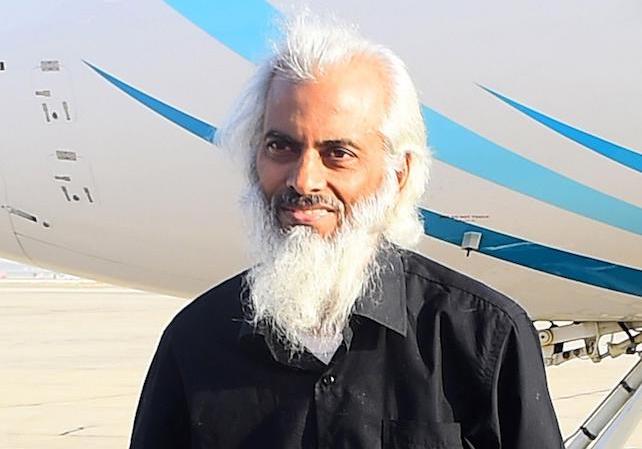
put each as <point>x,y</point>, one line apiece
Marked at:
<point>321,140</point>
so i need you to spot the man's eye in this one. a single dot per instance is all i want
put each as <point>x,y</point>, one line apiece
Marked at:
<point>276,147</point>
<point>340,153</point>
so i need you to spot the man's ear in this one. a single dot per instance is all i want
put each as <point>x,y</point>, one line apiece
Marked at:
<point>403,170</point>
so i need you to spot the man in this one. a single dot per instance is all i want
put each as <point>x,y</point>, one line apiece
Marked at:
<point>339,336</point>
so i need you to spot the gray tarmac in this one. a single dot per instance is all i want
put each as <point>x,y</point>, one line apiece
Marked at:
<point>74,355</point>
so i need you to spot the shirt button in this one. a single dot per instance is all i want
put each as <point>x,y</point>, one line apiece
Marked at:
<point>328,380</point>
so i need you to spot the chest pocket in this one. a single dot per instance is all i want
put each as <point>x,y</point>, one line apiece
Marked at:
<point>415,435</point>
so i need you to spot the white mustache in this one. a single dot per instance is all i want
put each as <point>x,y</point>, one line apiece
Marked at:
<point>291,198</point>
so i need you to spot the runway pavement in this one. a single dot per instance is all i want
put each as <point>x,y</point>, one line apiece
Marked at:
<point>74,354</point>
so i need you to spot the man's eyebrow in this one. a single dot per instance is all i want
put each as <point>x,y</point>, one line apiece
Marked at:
<point>339,143</point>
<point>274,134</point>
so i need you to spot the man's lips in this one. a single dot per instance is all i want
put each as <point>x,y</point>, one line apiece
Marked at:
<point>304,215</point>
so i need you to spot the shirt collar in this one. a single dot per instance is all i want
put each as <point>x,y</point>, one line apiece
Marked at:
<point>385,301</point>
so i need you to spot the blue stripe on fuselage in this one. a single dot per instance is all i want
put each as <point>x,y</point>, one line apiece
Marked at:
<point>617,153</point>
<point>538,257</point>
<point>468,151</point>
<point>245,27</point>
<point>192,124</point>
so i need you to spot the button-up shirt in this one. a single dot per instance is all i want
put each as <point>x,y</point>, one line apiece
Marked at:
<point>430,358</point>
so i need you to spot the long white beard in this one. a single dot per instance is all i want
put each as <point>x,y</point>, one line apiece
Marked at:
<point>304,284</point>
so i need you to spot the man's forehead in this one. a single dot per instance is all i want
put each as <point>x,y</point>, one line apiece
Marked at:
<point>351,92</point>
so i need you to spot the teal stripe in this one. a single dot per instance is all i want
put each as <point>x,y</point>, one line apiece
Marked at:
<point>468,151</point>
<point>538,257</point>
<point>244,26</point>
<point>192,124</point>
<point>615,152</point>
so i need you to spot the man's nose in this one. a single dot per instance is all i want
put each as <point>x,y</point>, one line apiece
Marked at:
<point>308,174</point>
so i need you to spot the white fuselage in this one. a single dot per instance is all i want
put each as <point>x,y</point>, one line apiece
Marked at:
<point>96,183</point>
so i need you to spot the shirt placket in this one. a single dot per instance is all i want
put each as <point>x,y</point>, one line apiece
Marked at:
<point>326,398</point>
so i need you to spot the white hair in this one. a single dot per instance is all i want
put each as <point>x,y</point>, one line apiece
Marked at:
<point>310,45</point>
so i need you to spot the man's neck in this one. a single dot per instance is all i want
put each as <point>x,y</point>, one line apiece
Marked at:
<point>322,347</point>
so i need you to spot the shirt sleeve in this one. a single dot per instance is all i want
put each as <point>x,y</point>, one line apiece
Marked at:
<point>523,409</point>
<point>162,418</point>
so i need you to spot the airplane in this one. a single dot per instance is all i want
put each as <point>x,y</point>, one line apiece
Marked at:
<point>108,169</point>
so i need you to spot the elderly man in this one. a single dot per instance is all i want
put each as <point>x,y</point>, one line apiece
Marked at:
<point>339,336</point>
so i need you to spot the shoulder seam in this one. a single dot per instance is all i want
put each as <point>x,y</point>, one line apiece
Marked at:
<point>519,311</point>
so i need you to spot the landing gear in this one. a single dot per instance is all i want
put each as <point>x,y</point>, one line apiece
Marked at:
<point>610,425</point>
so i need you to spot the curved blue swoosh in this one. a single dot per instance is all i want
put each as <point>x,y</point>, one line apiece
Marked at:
<point>615,152</point>
<point>538,257</point>
<point>192,124</point>
<point>464,149</point>
<point>248,34</point>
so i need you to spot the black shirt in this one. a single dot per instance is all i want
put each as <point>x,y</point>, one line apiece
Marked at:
<point>432,359</point>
